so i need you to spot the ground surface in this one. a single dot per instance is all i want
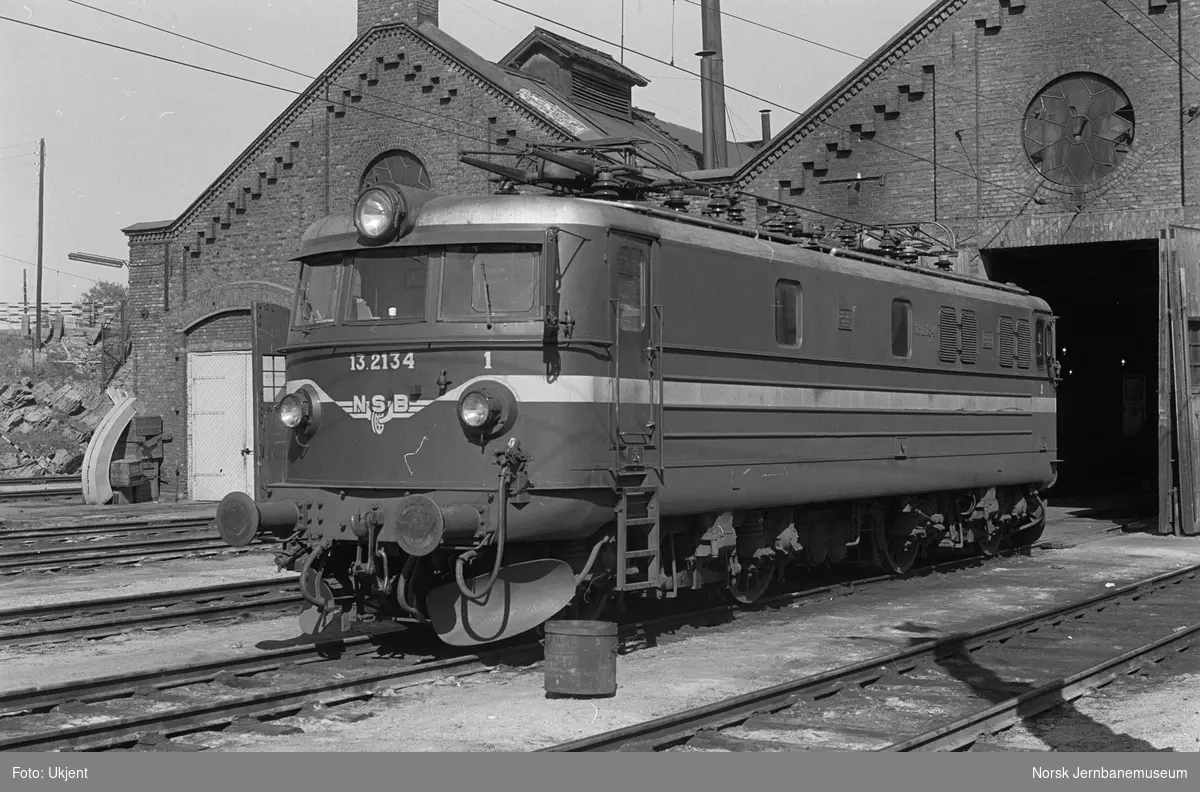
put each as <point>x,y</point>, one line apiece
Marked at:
<point>507,708</point>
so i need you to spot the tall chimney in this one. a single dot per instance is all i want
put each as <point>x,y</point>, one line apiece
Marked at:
<point>766,125</point>
<point>712,86</point>
<point>389,12</point>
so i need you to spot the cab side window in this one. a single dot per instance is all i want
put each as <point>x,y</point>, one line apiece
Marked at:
<point>901,328</point>
<point>789,313</point>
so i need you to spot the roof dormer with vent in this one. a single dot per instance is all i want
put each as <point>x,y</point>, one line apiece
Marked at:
<point>587,76</point>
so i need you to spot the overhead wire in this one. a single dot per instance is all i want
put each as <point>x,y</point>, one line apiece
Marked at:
<point>52,269</point>
<point>289,70</point>
<point>467,123</point>
<point>899,150</point>
<point>856,56</point>
<point>1169,55</point>
<point>331,83</point>
<point>773,103</point>
<point>261,61</point>
<point>264,84</point>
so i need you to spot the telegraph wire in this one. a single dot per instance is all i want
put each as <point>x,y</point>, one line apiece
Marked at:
<point>18,155</point>
<point>18,145</point>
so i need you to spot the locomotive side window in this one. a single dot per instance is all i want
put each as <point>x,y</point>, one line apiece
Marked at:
<point>316,302</point>
<point>492,281</point>
<point>901,328</point>
<point>1039,341</point>
<point>631,276</point>
<point>789,313</point>
<point>388,288</point>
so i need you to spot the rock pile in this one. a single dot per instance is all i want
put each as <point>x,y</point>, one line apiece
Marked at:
<point>45,429</point>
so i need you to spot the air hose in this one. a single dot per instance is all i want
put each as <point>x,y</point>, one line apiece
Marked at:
<point>501,533</point>
<point>305,568</point>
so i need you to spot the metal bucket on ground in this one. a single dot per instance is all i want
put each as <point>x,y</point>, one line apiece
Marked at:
<point>581,658</point>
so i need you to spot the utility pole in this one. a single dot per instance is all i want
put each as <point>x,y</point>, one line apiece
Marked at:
<point>712,85</point>
<point>622,31</point>
<point>37,327</point>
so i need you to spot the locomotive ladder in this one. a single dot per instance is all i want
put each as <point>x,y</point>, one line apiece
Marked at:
<point>639,551</point>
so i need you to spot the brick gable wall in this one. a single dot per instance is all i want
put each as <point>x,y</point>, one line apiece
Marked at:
<point>245,229</point>
<point>955,93</point>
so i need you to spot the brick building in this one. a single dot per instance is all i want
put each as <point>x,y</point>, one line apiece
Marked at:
<point>402,100</point>
<point>1052,142</point>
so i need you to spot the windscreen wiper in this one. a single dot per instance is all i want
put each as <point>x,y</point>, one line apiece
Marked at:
<point>487,293</point>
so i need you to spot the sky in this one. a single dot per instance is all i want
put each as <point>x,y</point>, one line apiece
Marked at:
<point>129,138</point>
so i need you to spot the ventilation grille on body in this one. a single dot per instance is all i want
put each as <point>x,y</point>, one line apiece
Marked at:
<point>947,335</point>
<point>1024,344</point>
<point>969,343</point>
<point>1007,341</point>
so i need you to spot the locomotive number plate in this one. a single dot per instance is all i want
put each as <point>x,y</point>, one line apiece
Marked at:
<point>384,361</point>
<point>381,361</point>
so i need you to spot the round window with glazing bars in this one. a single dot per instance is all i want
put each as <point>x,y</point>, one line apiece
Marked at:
<point>1078,129</point>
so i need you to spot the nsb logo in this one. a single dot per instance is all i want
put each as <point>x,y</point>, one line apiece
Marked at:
<point>380,409</point>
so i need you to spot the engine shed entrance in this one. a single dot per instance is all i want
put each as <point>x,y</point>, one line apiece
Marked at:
<point>1106,298</point>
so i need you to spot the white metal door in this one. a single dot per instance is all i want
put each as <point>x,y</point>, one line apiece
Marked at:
<point>220,424</point>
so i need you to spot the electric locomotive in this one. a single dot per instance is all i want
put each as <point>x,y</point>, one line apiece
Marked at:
<point>505,407</point>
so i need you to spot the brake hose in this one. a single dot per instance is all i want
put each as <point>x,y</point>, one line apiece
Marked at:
<point>304,570</point>
<point>501,532</point>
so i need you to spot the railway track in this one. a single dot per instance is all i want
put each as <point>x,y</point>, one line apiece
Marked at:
<point>41,488</point>
<point>103,618</point>
<point>941,693</point>
<point>53,548</point>
<point>52,535</point>
<point>149,708</point>
<point>109,554</point>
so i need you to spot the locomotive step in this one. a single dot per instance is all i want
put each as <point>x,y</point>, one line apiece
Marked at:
<point>641,553</point>
<point>640,521</point>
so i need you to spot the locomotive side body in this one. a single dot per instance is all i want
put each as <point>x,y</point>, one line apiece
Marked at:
<point>828,411</point>
<point>589,397</point>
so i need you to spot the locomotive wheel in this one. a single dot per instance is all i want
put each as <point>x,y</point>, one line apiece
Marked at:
<point>751,583</point>
<point>1028,536</point>
<point>897,553</point>
<point>989,545</point>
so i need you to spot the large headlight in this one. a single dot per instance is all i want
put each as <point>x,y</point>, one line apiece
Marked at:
<point>292,411</point>
<point>475,410</point>
<point>487,409</point>
<point>377,213</point>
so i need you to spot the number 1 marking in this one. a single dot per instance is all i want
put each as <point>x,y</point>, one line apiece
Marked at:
<point>487,360</point>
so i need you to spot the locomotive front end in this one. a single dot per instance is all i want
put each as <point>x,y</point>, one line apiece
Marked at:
<point>419,402</point>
